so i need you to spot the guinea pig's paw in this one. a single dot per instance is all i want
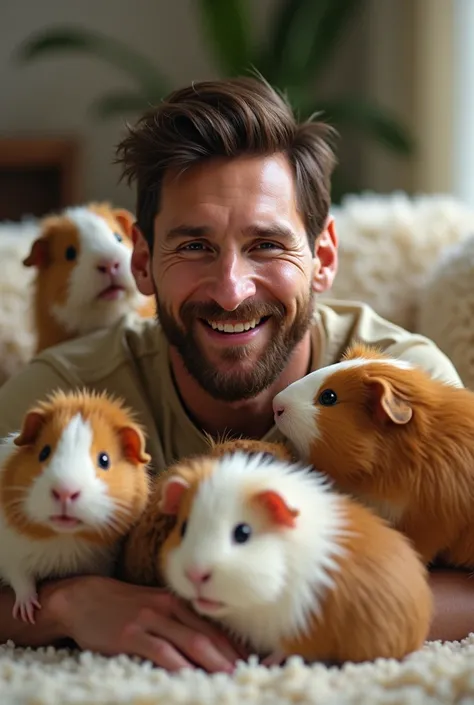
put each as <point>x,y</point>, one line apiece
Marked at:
<point>25,603</point>
<point>276,658</point>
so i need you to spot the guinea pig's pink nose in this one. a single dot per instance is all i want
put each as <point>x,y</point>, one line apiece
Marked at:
<point>198,575</point>
<point>62,494</point>
<point>108,267</point>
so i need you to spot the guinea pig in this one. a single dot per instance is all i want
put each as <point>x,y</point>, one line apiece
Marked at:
<point>73,481</point>
<point>399,440</point>
<point>226,445</point>
<point>139,558</point>
<point>84,279</point>
<point>268,550</point>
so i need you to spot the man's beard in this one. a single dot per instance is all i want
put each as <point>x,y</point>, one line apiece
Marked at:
<point>239,385</point>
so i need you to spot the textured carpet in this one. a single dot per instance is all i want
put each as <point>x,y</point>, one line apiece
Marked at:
<point>439,673</point>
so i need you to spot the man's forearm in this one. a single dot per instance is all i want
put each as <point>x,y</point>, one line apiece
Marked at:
<point>453,593</point>
<point>47,628</point>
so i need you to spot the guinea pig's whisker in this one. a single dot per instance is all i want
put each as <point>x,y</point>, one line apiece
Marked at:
<point>122,504</point>
<point>18,503</point>
<point>116,524</point>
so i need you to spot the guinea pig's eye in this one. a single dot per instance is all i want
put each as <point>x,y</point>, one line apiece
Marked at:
<point>242,533</point>
<point>71,253</point>
<point>44,453</point>
<point>328,397</point>
<point>184,526</point>
<point>104,461</point>
<point>118,237</point>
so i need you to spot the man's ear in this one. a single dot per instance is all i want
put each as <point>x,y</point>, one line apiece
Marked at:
<point>141,262</point>
<point>325,260</point>
<point>386,404</point>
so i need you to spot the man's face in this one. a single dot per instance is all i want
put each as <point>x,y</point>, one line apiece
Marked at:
<point>232,272</point>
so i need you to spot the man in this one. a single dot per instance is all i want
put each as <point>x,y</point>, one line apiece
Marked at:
<point>235,239</point>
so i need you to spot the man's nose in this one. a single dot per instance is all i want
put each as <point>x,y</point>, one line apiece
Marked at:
<point>232,282</point>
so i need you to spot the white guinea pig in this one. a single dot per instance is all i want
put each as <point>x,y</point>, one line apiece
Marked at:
<point>73,481</point>
<point>267,549</point>
<point>84,279</point>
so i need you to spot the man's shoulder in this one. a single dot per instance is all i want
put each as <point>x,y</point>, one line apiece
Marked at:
<point>100,354</point>
<point>341,323</point>
<point>108,359</point>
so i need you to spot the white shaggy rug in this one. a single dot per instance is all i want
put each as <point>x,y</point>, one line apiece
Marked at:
<point>388,245</point>
<point>17,340</point>
<point>438,674</point>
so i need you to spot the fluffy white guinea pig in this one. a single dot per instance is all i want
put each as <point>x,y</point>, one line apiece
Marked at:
<point>84,279</point>
<point>267,549</point>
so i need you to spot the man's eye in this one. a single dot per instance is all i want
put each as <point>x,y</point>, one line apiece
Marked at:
<point>193,247</point>
<point>269,246</point>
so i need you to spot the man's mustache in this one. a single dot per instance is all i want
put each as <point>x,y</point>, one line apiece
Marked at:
<point>247,311</point>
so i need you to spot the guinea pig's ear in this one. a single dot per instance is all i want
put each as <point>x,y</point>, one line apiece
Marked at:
<point>133,445</point>
<point>277,508</point>
<point>171,495</point>
<point>32,425</point>
<point>39,254</point>
<point>125,219</point>
<point>389,406</point>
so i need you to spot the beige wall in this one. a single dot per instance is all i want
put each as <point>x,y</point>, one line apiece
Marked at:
<point>399,53</point>
<point>54,95</point>
<point>413,70</point>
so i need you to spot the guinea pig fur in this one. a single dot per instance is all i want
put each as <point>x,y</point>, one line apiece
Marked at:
<point>227,445</point>
<point>268,550</point>
<point>138,561</point>
<point>73,481</point>
<point>84,279</point>
<point>397,439</point>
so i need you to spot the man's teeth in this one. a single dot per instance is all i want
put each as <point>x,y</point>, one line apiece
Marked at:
<point>237,328</point>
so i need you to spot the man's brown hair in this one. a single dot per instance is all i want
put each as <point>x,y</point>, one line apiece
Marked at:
<point>227,118</point>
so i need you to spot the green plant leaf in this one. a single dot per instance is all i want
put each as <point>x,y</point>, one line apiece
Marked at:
<point>303,36</point>
<point>369,118</point>
<point>227,28</point>
<point>120,102</point>
<point>290,39</point>
<point>73,39</point>
<point>334,19</point>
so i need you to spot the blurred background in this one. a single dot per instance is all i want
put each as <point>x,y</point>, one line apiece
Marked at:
<point>394,76</point>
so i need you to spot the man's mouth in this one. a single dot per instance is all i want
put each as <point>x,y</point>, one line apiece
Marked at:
<point>240,327</point>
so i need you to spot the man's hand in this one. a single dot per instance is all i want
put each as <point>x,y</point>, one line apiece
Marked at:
<point>111,617</point>
<point>453,593</point>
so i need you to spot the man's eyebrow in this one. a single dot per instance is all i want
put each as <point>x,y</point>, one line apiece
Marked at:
<point>262,231</point>
<point>269,231</point>
<point>187,231</point>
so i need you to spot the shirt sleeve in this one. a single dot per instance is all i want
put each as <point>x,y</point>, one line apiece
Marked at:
<point>425,354</point>
<point>32,384</point>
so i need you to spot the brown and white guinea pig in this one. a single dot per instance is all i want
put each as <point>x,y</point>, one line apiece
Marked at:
<point>396,438</point>
<point>267,549</point>
<point>73,481</point>
<point>139,558</point>
<point>225,445</point>
<point>84,279</point>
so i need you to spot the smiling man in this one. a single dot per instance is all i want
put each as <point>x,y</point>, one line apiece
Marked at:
<point>235,239</point>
